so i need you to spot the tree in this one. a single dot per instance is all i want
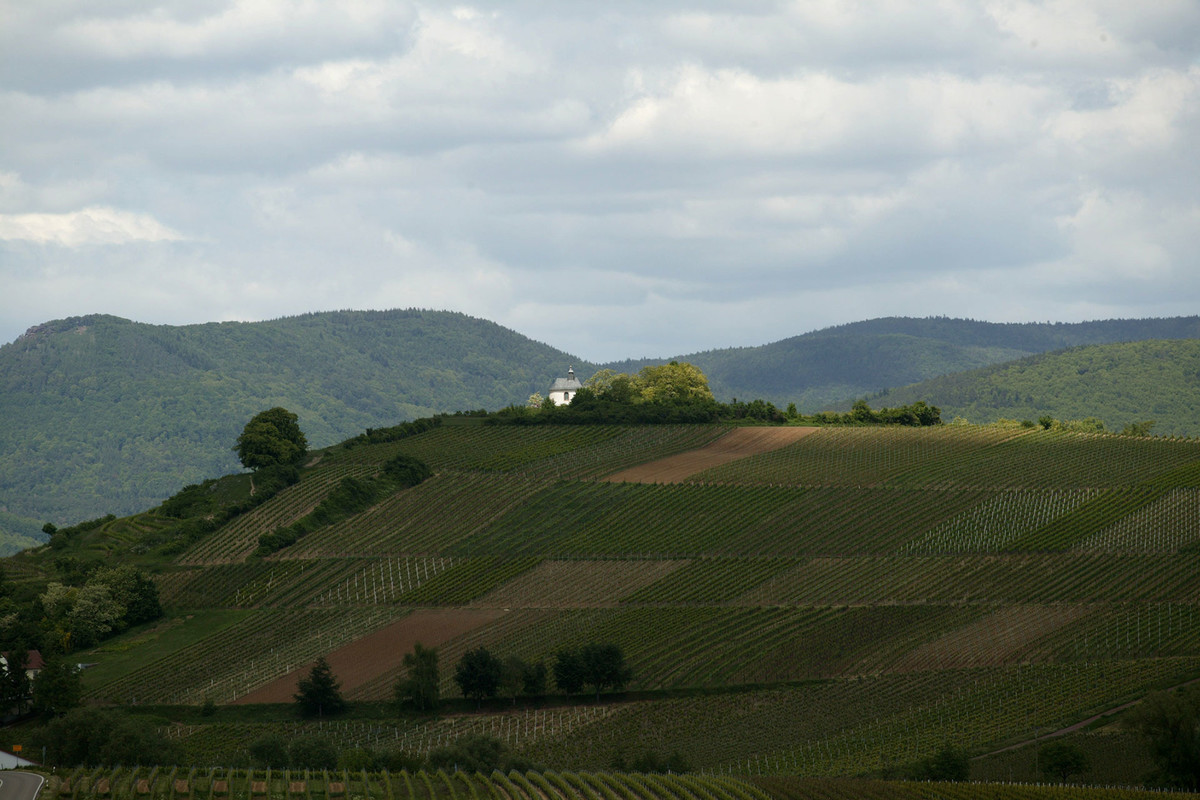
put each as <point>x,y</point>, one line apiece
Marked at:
<point>131,589</point>
<point>272,437</point>
<point>1062,760</point>
<point>1171,722</point>
<point>269,752</point>
<point>512,677</point>
<point>312,752</point>
<point>948,764</point>
<point>533,682</point>
<point>604,667</point>
<point>473,752</point>
<point>14,682</point>
<point>674,383</point>
<point>420,685</point>
<point>478,674</point>
<point>568,670</point>
<point>80,615</point>
<point>57,688</point>
<point>320,693</point>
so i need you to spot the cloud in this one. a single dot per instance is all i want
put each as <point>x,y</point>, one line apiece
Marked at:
<point>94,225</point>
<point>617,180</point>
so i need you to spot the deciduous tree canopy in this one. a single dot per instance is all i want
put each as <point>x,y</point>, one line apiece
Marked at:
<point>270,438</point>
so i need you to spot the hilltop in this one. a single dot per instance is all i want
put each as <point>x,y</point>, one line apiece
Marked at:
<point>816,600</point>
<point>104,415</point>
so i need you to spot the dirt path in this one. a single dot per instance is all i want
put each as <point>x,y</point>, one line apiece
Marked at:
<point>738,443</point>
<point>358,662</point>
<point>1081,724</point>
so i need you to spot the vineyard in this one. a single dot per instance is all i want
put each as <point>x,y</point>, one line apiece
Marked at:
<point>840,603</point>
<point>231,784</point>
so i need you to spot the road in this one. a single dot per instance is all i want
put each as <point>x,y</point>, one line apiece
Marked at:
<point>20,785</point>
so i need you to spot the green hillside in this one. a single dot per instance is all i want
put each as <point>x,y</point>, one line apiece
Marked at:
<point>103,415</point>
<point>844,604</point>
<point>831,367</point>
<point>107,415</point>
<point>1119,384</point>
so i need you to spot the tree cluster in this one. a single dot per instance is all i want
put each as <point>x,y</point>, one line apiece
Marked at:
<point>679,393</point>
<point>1170,721</point>
<point>101,737</point>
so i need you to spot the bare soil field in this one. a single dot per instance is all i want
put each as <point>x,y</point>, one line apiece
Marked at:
<point>362,660</point>
<point>738,443</point>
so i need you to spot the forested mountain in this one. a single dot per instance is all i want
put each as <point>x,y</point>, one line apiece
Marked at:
<point>1120,384</point>
<point>830,368</point>
<point>107,415</point>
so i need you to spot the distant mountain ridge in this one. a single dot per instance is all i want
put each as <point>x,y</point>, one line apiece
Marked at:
<point>1119,384</point>
<point>107,415</point>
<point>831,367</point>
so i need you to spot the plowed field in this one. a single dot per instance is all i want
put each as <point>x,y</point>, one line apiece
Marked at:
<point>738,443</point>
<point>360,661</point>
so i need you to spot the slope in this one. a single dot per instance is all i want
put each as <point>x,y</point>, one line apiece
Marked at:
<point>1119,384</point>
<point>844,604</point>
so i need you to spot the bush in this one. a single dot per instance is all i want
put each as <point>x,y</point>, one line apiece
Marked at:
<point>312,752</point>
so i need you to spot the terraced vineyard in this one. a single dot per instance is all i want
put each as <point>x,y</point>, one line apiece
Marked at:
<point>841,605</point>
<point>211,784</point>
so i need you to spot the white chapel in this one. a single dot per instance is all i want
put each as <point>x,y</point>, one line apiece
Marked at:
<point>563,390</point>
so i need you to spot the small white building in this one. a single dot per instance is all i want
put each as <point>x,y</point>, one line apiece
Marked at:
<point>563,390</point>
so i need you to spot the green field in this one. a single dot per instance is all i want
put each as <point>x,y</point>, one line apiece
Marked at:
<point>843,606</point>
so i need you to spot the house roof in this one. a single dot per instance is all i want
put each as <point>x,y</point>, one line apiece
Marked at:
<point>33,659</point>
<point>567,384</point>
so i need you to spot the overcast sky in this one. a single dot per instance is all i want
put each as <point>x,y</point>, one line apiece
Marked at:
<point>615,179</point>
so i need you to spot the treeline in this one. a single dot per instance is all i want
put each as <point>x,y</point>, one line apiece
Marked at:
<point>678,393</point>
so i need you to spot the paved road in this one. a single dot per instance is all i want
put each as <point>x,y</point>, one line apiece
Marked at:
<point>20,785</point>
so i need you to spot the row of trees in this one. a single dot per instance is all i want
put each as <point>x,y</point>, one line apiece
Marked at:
<point>679,392</point>
<point>480,675</point>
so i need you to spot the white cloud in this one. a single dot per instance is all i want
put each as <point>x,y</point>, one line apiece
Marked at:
<point>674,175</point>
<point>94,225</point>
<point>705,113</point>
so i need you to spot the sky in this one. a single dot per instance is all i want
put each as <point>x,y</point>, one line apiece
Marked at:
<point>616,179</point>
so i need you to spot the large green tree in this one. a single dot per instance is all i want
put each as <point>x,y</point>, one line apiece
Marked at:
<point>420,686</point>
<point>271,438</point>
<point>320,693</point>
<point>478,674</point>
<point>674,383</point>
<point>1171,722</point>
<point>604,667</point>
<point>57,688</point>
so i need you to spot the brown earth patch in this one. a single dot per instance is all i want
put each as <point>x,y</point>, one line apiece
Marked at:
<point>738,443</point>
<point>999,638</point>
<point>360,661</point>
